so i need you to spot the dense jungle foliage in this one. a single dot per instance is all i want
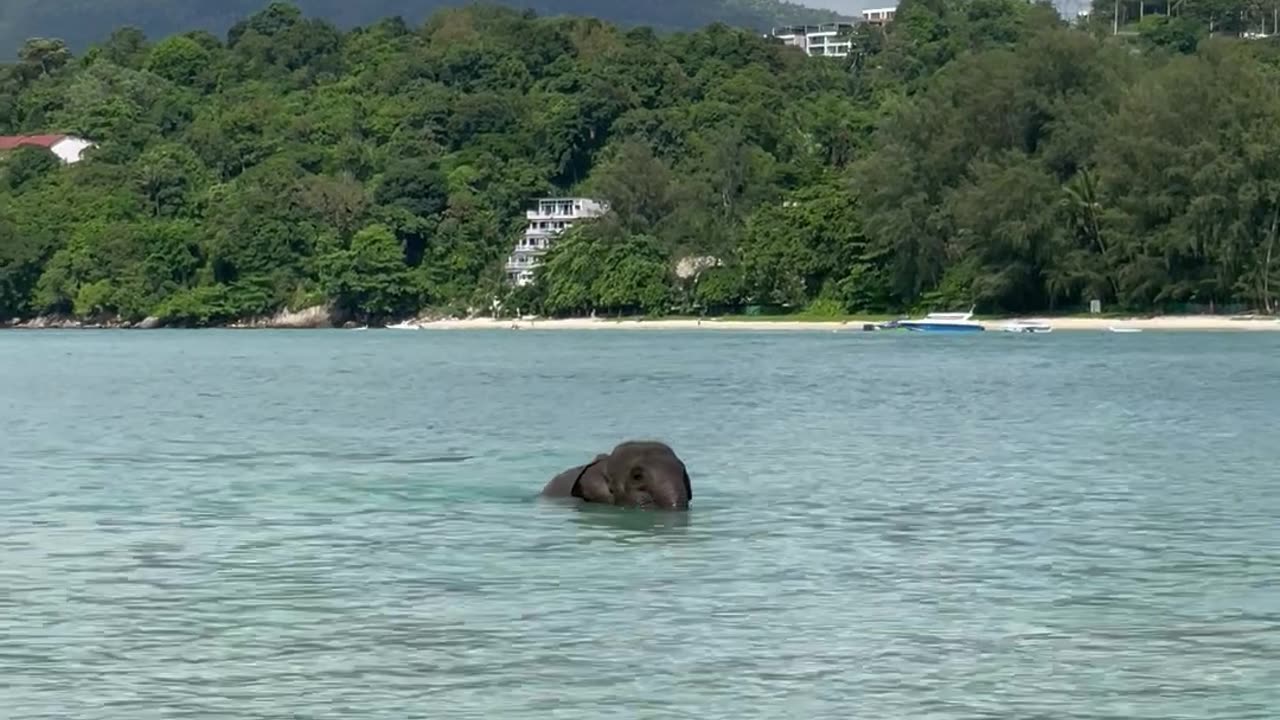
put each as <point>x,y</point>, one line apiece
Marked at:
<point>976,152</point>
<point>84,22</point>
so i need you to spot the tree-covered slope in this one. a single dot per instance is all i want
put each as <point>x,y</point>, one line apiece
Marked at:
<point>81,22</point>
<point>978,152</point>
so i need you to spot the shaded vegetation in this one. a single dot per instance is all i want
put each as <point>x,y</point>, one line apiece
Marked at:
<point>82,22</point>
<point>978,152</point>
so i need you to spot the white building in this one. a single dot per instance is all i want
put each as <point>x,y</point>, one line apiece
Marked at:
<point>552,217</point>
<point>825,40</point>
<point>879,16</point>
<point>68,148</point>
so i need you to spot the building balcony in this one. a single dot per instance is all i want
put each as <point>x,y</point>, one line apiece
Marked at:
<point>529,243</point>
<point>543,215</point>
<point>823,28</point>
<point>524,259</point>
<point>566,209</point>
<point>520,279</point>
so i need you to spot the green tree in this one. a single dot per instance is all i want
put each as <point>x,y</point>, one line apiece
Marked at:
<point>415,185</point>
<point>720,288</point>
<point>179,59</point>
<point>22,257</point>
<point>634,278</point>
<point>45,55</point>
<point>1179,34</point>
<point>802,247</point>
<point>369,279</point>
<point>27,165</point>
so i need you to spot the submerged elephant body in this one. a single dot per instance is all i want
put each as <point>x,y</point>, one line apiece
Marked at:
<point>645,475</point>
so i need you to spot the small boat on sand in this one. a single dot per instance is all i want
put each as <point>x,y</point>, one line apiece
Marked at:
<point>1115,329</point>
<point>1026,326</point>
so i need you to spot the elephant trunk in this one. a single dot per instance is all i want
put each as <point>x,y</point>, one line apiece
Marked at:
<point>663,488</point>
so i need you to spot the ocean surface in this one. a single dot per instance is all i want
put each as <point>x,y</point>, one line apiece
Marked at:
<point>335,524</point>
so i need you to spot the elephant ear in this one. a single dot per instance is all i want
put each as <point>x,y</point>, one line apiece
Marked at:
<point>592,484</point>
<point>688,488</point>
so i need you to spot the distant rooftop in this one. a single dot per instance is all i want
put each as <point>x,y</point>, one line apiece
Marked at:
<point>11,142</point>
<point>68,148</point>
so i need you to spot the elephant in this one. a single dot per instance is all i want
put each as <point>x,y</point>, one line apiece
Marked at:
<point>636,474</point>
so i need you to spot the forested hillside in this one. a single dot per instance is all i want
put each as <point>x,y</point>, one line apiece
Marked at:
<point>979,152</point>
<point>82,22</point>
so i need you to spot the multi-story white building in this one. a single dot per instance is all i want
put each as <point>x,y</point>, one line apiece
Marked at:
<point>825,40</point>
<point>552,217</point>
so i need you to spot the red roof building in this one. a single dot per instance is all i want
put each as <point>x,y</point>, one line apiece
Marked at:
<point>68,148</point>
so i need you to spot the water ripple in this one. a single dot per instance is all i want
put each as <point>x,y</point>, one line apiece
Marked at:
<point>282,525</point>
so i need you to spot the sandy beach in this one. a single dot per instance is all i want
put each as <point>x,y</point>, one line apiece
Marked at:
<point>309,318</point>
<point>1166,323</point>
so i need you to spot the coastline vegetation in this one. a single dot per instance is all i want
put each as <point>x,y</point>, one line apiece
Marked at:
<point>82,23</point>
<point>979,153</point>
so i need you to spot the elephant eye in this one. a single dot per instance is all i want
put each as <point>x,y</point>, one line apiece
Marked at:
<point>637,474</point>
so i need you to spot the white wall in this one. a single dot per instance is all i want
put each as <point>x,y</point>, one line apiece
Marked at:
<point>70,149</point>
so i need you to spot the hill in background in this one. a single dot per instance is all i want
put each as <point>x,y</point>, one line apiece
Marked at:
<point>973,153</point>
<point>84,22</point>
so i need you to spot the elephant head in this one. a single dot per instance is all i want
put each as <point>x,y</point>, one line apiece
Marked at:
<point>647,475</point>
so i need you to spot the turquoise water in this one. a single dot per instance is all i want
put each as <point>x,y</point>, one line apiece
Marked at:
<point>259,524</point>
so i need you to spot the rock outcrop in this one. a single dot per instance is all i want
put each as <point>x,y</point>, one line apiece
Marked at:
<point>44,322</point>
<point>692,266</point>
<point>318,316</point>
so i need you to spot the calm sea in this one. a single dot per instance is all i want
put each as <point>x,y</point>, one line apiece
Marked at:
<point>260,524</point>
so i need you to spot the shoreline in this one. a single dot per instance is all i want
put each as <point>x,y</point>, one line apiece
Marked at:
<point>1180,323</point>
<point>1165,323</point>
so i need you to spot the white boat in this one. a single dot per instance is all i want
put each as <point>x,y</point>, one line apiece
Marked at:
<point>942,322</point>
<point>1027,326</point>
<point>1115,329</point>
<point>405,325</point>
